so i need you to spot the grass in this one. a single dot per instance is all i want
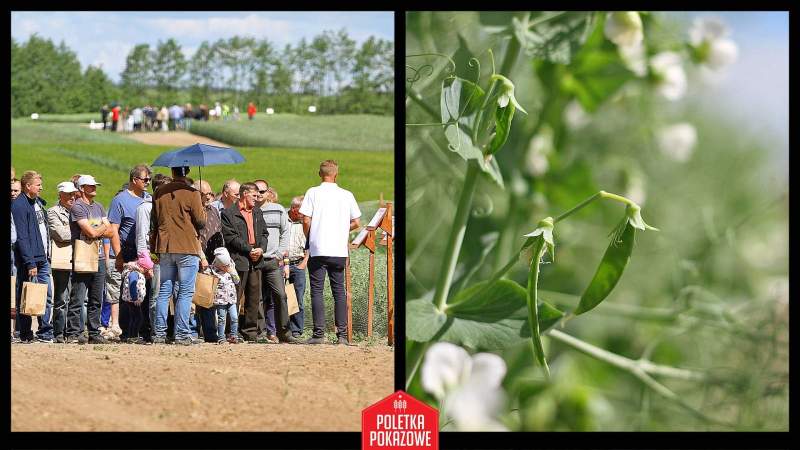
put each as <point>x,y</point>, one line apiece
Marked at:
<point>58,151</point>
<point>70,118</point>
<point>339,132</point>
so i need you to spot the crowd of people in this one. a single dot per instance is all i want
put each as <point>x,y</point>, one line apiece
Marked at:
<point>175,117</point>
<point>145,250</point>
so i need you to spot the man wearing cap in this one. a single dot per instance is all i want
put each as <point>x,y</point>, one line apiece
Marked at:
<point>175,220</point>
<point>122,216</point>
<point>88,222</point>
<point>31,253</point>
<point>61,233</point>
<point>330,214</point>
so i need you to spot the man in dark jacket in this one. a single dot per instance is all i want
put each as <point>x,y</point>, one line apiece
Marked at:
<point>31,258</point>
<point>245,235</point>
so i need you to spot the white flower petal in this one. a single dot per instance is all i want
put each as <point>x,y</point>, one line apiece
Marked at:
<point>446,366</point>
<point>503,100</point>
<point>672,79</point>
<point>474,408</point>
<point>574,115</point>
<point>707,29</point>
<point>722,53</point>
<point>488,370</point>
<point>677,141</point>
<point>634,58</point>
<point>624,28</point>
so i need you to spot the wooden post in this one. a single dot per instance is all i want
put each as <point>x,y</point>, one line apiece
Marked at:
<point>370,244</point>
<point>387,226</point>
<point>349,296</point>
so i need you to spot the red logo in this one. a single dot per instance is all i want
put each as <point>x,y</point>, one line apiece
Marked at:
<point>400,421</point>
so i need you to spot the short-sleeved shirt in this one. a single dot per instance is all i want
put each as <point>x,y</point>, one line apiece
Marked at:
<point>331,208</point>
<point>94,213</point>
<point>41,219</point>
<point>122,211</point>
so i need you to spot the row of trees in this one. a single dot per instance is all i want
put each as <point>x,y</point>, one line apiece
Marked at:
<point>330,71</point>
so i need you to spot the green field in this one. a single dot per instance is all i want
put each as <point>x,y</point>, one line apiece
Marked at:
<point>339,132</point>
<point>59,150</point>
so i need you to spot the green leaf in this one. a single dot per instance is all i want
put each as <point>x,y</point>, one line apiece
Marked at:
<point>491,168</point>
<point>555,39</point>
<point>609,271</point>
<point>493,317</point>
<point>461,143</point>
<point>450,99</point>
<point>423,320</point>
<point>503,118</point>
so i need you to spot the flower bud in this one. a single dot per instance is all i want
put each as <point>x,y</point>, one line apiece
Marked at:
<point>624,28</point>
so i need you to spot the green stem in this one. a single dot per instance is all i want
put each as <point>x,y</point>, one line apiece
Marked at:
<point>601,194</point>
<point>456,237</point>
<point>417,98</point>
<point>533,305</point>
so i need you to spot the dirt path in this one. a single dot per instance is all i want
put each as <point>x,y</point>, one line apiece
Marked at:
<point>177,138</point>
<point>207,387</point>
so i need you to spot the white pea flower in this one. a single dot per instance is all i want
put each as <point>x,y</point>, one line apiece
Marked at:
<point>709,38</point>
<point>677,141</point>
<point>574,115</point>
<point>624,28</point>
<point>670,76</point>
<point>540,147</point>
<point>635,190</point>
<point>634,58</point>
<point>469,387</point>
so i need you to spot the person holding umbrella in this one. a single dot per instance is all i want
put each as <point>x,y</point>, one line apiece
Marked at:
<point>176,219</point>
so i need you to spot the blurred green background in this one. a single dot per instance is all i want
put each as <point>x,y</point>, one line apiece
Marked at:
<point>723,216</point>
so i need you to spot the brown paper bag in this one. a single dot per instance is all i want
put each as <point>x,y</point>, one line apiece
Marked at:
<point>86,256</point>
<point>171,306</point>
<point>60,255</point>
<point>34,298</point>
<point>291,299</point>
<point>205,286</point>
<point>13,297</point>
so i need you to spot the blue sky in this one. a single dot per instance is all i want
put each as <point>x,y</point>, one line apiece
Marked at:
<point>753,92</point>
<point>105,38</point>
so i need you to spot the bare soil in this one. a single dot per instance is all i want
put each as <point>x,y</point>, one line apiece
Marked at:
<point>206,387</point>
<point>177,138</point>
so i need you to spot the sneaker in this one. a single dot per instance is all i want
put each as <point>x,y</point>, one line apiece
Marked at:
<point>315,340</point>
<point>234,339</point>
<point>134,340</point>
<point>272,339</point>
<point>60,339</point>
<point>98,340</point>
<point>80,339</point>
<point>44,340</point>
<point>289,339</point>
<point>116,330</point>
<point>185,341</point>
<point>342,340</point>
<point>296,335</point>
<point>159,340</point>
<point>221,341</point>
<point>26,341</point>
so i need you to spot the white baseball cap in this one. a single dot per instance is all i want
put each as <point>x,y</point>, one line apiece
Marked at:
<point>67,186</point>
<point>87,179</point>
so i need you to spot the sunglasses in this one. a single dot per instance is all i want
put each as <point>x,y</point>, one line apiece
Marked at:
<point>262,192</point>
<point>146,180</point>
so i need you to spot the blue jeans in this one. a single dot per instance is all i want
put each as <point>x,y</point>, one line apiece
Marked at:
<point>298,277</point>
<point>154,284</point>
<point>222,311</point>
<point>181,270</point>
<point>45,330</point>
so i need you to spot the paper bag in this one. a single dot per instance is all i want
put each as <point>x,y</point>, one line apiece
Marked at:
<point>205,286</point>
<point>60,255</point>
<point>171,306</point>
<point>291,299</point>
<point>13,297</point>
<point>86,256</point>
<point>34,298</point>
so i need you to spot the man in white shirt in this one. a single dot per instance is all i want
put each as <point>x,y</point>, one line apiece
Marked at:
<point>330,214</point>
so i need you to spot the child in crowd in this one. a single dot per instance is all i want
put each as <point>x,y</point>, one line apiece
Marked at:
<point>134,290</point>
<point>225,297</point>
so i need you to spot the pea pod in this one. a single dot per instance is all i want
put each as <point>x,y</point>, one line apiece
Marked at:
<point>533,304</point>
<point>503,118</point>
<point>610,269</point>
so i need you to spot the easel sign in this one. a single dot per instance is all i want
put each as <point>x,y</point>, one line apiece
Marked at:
<point>366,238</point>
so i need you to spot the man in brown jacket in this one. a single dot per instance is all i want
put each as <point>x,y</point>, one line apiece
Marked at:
<point>175,221</point>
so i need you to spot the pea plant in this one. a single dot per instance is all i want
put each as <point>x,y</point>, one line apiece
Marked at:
<point>467,129</point>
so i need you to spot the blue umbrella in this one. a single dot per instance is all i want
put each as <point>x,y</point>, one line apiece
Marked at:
<point>199,155</point>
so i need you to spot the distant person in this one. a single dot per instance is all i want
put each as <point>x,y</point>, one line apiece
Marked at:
<point>61,232</point>
<point>138,118</point>
<point>16,188</point>
<point>104,116</point>
<point>163,118</point>
<point>217,110</point>
<point>251,110</point>
<point>229,195</point>
<point>115,111</point>
<point>245,235</point>
<point>32,253</point>
<point>226,111</point>
<point>89,223</point>
<point>330,214</point>
<point>298,260</point>
<point>204,112</point>
<point>176,218</point>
